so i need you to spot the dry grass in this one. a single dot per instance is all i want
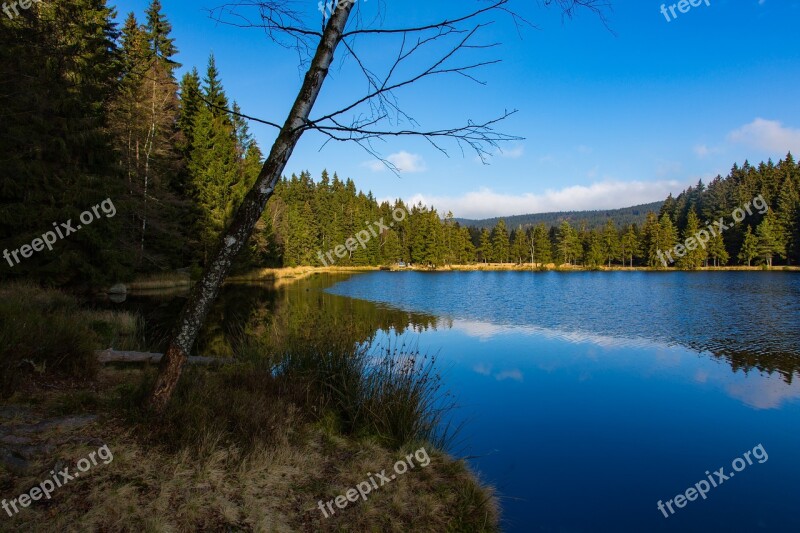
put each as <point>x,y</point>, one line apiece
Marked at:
<point>285,276</point>
<point>161,280</point>
<point>271,487</point>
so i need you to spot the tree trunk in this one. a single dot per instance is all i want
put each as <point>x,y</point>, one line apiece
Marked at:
<point>205,291</point>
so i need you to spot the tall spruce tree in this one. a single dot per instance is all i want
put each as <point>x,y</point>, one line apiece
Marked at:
<point>695,252</point>
<point>500,242</point>
<point>749,250</point>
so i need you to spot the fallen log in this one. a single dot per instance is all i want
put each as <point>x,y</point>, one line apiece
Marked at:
<point>112,356</point>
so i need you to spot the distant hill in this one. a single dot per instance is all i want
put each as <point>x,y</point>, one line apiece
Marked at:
<point>594,219</point>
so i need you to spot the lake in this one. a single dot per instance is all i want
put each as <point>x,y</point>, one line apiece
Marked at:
<point>585,398</point>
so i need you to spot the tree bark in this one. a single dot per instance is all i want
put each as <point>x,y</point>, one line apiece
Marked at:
<point>205,291</point>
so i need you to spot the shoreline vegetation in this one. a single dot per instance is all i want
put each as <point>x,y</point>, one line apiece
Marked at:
<point>250,446</point>
<point>281,277</point>
<point>288,275</point>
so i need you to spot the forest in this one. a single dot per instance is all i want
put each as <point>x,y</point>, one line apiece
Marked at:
<point>91,111</point>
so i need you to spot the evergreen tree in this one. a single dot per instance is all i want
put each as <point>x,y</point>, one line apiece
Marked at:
<point>542,248</point>
<point>500,243</point>
<point>787,222</point>
<point>485,252</point>
<point>467,250</point>
<point>58,70</point>
<point>569,246</point>
<point>651,241</point>
<point>190,103</point>
<point>749,249</point>
<point>611,243</point>
<point>695,253</point>
<point>667,237</point>
<point>158,31</point>
<point>769,240</point>
<point>215,171</point>
<point>214,94</point>
<point>717,251</point>
<point>629,245</point>
<point>521,246</point>
<point>594,255</point>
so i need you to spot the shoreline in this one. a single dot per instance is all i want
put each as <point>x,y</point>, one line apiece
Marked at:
<point>289,274</point>
<point>284,276</point>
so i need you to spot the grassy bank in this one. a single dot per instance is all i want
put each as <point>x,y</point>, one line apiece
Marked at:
<point>164,280</point>
<point>252,446</point>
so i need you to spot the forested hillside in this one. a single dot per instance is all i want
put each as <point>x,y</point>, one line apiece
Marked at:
<point>594,219</point>
<point>90,111</point>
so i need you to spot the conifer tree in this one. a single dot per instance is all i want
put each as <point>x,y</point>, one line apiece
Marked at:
<point>787,218</point>
<point>158,35</point>
<point>521,246</point>
<point>594,255</point>
<point>651,241</point>
<point>541,246</point>
<point>610,242</point>
<point>717,251</point>
<point>569,246</point>
<point>485,247</point>
<point>58,71</point>
<point>500,243</point>
<point>629,246</point>
<point>190,103</point>
<point>667,239</point>
<point>749,250</point>
<point>769,240</point>
<point>695,253</point>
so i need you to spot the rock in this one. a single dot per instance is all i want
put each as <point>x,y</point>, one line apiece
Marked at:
<point>119,288</point>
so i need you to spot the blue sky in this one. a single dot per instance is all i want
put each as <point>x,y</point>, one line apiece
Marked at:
<point>608,119</point>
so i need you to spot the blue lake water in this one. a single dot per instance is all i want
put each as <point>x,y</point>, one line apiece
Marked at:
<point>587,397</point>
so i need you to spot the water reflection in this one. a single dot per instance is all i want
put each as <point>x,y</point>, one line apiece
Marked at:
<point>585,399</point>
<point>749,320</point>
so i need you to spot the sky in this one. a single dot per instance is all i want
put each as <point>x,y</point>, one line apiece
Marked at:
<point>609,115</point>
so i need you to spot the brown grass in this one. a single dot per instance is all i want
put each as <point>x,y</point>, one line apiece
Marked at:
<point>162,280</point>
<point>272,487</point>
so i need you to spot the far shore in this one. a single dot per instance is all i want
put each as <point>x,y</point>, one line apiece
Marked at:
<point>288,275</point>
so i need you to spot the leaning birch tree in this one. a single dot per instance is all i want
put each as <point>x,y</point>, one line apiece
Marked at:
<point>374,115</point>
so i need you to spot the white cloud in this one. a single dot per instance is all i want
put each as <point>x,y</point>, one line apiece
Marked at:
<point>404,161</point>
<point>512,153</point>
<point>484,203</point>
<point>769,135</point>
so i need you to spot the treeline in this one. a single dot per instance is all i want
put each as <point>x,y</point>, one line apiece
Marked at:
<point>750,217</point>
<point>308,217</point>
<point>89,111</point>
